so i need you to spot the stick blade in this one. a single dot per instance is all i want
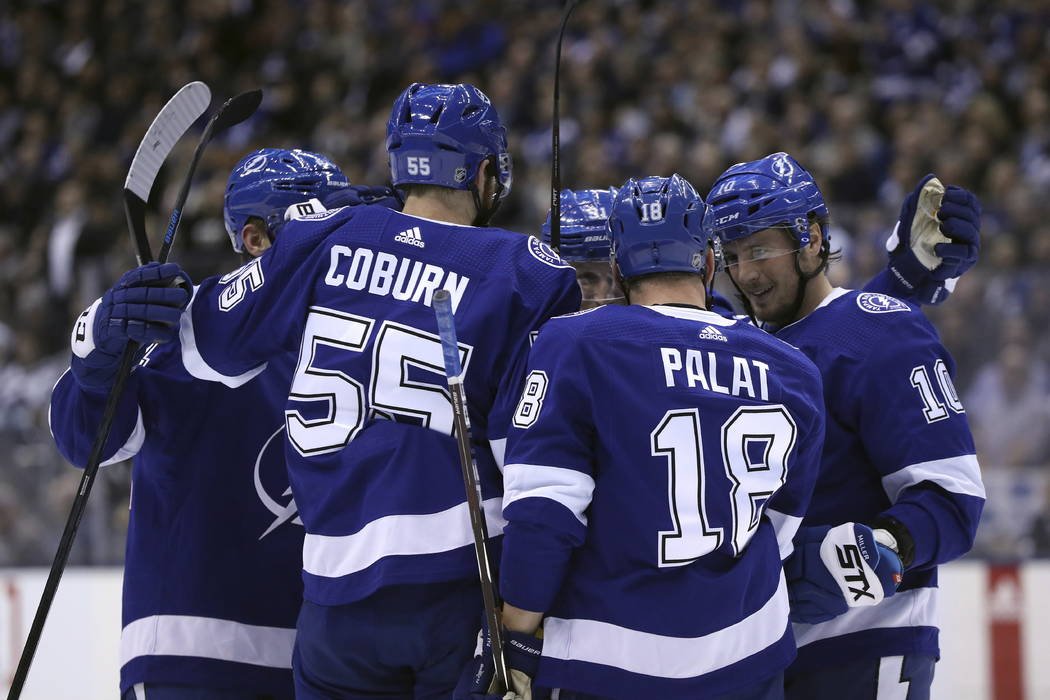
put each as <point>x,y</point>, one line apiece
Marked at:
<point>237,109</point>
<point>184,108</point>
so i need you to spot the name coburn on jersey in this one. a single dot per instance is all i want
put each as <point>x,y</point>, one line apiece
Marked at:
<point>385,274</point>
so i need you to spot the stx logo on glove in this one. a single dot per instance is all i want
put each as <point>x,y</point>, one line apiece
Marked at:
<point>850,559</point>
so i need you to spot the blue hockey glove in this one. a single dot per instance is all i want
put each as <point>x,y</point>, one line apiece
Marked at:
<point>837,568</point>
<point>144,305</point>
<point>363,194</point>
<point>936,240</point>
<point>522,652</point>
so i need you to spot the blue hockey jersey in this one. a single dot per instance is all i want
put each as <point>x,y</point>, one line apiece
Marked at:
<point>211,577</point>
<point>373,466</point>
<point>660,462</point>
<point>897,444</point>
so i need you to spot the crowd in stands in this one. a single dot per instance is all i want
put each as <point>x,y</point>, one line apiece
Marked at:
<point>868,96</point>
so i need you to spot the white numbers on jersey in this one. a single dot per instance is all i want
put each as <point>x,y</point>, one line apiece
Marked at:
<point>652,211</point>
<point>246,279</point>
<point>932,407</point>
<point>418,165</point>
<point>397,349</point>
<point>531,402</point>
<point>344,394</point>
<point>755,444</point>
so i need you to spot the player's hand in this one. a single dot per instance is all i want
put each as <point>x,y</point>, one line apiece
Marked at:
<point>354,195</point>
<point>144,306</point>
<point>837,568</point>
<point>522,652</point>
<point>936,240</point>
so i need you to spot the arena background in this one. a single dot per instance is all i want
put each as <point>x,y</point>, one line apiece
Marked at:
<point>869,96</point>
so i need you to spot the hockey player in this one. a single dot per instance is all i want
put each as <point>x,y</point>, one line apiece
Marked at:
<point>391,590</point>
<point>585,243</point>
<point>899,486</point>
<point>658,454</point>
<point>211,578</point>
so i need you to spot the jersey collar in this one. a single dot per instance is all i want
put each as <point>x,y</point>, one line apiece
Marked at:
<point>690,313</point>
<point>832,296</point>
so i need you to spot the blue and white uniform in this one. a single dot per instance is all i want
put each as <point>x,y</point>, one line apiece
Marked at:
<point>211,581</point>
<point>372,463</point>
<point>660,462</point>
<point>897,445</point>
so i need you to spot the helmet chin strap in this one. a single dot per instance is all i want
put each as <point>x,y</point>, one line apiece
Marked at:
<point>804,279</point>
<point>484,215</point>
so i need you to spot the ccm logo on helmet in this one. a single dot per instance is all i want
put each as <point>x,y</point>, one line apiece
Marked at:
<point>726,219</point>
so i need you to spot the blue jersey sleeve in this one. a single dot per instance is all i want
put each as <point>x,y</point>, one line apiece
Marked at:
<point>787,507</point>
<point>236,322</point>
<point>562,296</point>
<point>914,428</point>
<point>549,476</point>
<point>74,416</point>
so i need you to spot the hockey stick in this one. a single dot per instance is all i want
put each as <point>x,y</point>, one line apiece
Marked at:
<point>167,128</point>
<point>454,373</point>
<point>556,136</point>
<point>232,112</point>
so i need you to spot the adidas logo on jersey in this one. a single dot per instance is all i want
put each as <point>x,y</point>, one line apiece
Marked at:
<point>411,237</point>
<point>712,333</point>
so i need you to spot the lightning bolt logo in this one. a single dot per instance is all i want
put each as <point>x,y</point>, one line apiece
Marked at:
<point>281,513</point>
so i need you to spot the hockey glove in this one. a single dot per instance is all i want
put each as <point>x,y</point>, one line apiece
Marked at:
<point>363,194</point>
<point>144,305</point>
<point>522,652</point>
<point>837,568</point>
<point>936,240</point>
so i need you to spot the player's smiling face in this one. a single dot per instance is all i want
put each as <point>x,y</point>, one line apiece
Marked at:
<point>763,266</point>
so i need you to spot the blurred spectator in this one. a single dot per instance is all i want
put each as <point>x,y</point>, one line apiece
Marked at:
<point>1009,408</point>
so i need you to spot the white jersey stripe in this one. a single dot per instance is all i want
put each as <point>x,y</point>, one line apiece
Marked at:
<point>194,362</point>
<point>396,535</point>
<point>499,451</point>
<point>914,608</point>
<point>785,526</point>
<point>132,445</point>
<point>568,487</point>
<point>663,656</point>
<point>209,638</point>
<point>960,474</point>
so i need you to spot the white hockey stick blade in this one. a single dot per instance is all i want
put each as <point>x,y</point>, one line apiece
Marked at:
<point>184,108</point>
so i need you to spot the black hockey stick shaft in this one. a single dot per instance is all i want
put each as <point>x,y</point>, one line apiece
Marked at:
<point>471,483</point>
<point>234,111</point>
<point>69,534</point>
<point>556,135</point>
